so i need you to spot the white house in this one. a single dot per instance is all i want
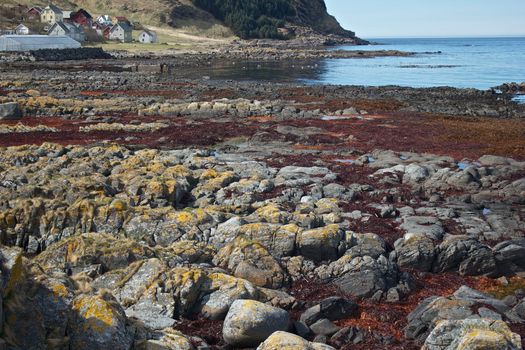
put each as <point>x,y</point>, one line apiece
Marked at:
<point>51,15</point>
<point>121,32</point>
<point>21,30</point>
<point>148,37</point>
<point>36,42</point>
<point>105,20</point>
<point>67,29</point>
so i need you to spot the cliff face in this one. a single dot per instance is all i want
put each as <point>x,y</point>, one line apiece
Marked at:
<point>314,14</point>
<point>265,19</point>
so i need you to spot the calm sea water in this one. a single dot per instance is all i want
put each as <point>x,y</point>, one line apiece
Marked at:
<point>463,62</point>
<point>479,63</point>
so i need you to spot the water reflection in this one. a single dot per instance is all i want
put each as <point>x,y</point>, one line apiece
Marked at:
<point>259,71</point>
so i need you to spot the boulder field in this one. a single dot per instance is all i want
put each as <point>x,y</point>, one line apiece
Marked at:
<point>113,248</point>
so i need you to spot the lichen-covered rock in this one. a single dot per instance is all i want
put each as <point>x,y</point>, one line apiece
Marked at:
<point>168,339</point>
<point>99,322</point>
<point>472,334</point>
<point>250,322</point>
<point>279,240</point>
<point>79,252</point>
<point>320,244</point>
<point>251,261</point>
<point>220,291</point>
<point>465,303</point>
<point>288,341</point>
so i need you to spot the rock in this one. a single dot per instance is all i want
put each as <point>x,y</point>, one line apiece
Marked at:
<point>248,323</point>
<point>320,244</point>
<point>520,309</point>
<point>367,244</point>
<point>363,277</point>
<point>347,336</point>
<point>251,261</point>
<point>168,340</point>
<point>283,340</point>
<point>10,111</point>
<point>415,251</point>
<point>465,303</point>
<point>99,322</point>
<point>324,327</point>
<point>333,309</point>
<point>472,334</point>
<point>427,225</point>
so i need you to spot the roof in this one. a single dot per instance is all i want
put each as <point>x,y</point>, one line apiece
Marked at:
<point>123,25</point>
<point>36,42</point>
<point>36,8</point>
<point>83,12</point>
<point>149,32</point>
<point>54,8</point>
<point>67,27</point>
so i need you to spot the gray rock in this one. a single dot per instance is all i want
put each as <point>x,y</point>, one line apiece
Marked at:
<point>333,309</point>
<point>415,251</point>
<point>10,111</point>
<point>520,309</point>
<point>320,244</point>
<point>98,322</point>
<point>283,340</point>
<point>324,327</point>
<point>249,322</point>
<point>472,334</point>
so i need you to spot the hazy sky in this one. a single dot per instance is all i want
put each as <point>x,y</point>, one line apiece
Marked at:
<point>413,18</point>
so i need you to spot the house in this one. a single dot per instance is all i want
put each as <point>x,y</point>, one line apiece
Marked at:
<point>105,20</point>
<point>121,32</point>
<point>121,19</point>
<point>7,32</point>
<point>82,17</point>
<point>33,13</point>
<point>21,30</point>
<point>51,15</point>
<point>148,37</point>
<point>36,42</point>
<point>67,29</point>
<point>66,16</point>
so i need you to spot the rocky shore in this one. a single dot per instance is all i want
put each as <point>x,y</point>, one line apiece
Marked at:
<point>143,210</point>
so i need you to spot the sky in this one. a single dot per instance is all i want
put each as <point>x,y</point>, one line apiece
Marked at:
<point>430,18</point>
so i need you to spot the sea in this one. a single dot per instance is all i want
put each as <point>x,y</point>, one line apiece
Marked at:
<point>480,63</point>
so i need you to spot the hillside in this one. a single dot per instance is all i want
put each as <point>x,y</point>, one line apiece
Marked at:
<point>216,18</point>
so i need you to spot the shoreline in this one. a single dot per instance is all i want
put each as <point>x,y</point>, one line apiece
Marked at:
<point>125,173</point>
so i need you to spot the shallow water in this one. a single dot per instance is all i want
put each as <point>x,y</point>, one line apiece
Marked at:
<point>479,63</point>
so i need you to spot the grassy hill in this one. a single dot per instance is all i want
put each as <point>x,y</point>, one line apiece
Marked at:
<point>211,18</point>
<point>180,14</point>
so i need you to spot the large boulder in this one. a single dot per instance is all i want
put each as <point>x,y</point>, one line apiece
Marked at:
<point>249,322</point>
<point>415,251</point>
<point>472,334</point>
<point>465,303</point>
<point>250,260</point>
<point>287,341</point>
<point>99,322</point>
<point>10,111</point>
<point>321,244</point>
